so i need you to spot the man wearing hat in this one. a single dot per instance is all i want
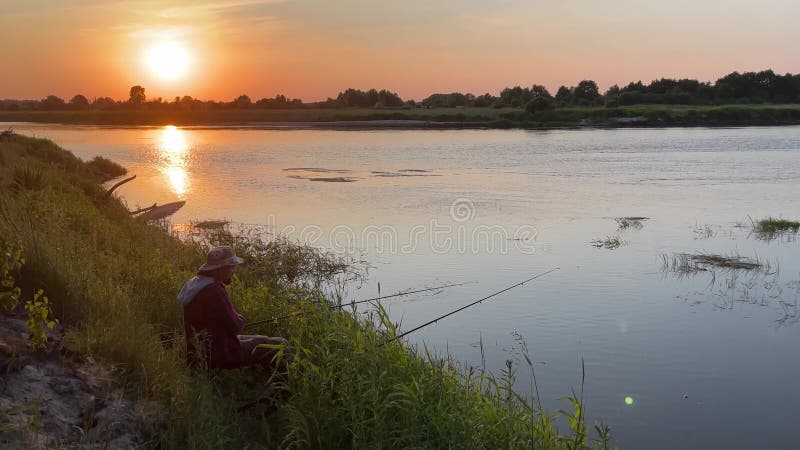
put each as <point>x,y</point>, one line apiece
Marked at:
<point>211,323</point>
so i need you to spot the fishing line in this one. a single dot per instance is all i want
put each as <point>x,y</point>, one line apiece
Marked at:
<point>431,322</point>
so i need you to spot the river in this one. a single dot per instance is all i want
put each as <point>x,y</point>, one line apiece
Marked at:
<point>706,359</point>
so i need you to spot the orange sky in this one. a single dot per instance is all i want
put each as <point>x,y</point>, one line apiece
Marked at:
<point>313,49</point>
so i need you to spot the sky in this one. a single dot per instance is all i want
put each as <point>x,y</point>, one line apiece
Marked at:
<point>314,49</point>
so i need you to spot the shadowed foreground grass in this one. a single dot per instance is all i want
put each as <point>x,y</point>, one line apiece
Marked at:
<point>113,282</point>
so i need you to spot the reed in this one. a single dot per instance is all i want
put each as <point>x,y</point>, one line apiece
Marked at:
<point>771,228</point>
<point>689,263</point>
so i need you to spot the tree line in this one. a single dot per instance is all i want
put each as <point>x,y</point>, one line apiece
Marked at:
<point>735,88</point>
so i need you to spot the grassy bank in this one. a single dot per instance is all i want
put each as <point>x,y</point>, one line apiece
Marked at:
<point>113,280</point>
<point>245,116</point>
<point>658,115</point>
<point>627,116</point>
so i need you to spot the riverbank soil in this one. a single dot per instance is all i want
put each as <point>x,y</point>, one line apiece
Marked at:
<point>54,399</point>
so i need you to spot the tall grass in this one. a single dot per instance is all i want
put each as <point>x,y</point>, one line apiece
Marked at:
<point>113,280</point>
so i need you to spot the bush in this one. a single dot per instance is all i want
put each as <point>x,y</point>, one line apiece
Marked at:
<point>539,104</point>
<point>39,320</point>
<point>105,169</point>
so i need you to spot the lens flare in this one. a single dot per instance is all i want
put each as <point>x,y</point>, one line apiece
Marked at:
<point>629,401</point>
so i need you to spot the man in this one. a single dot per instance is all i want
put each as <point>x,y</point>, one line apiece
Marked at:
<point>211,323</point>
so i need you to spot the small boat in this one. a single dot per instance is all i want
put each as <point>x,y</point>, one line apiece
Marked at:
<point>160,212</point>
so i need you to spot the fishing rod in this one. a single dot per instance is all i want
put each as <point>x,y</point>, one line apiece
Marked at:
<point>332,307</point>
<point>467,306</point>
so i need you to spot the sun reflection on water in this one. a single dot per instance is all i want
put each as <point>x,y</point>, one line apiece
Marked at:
<point>173,149</point>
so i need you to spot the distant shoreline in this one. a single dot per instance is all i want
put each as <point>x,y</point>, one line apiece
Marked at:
<point>649,116</point>
<point>377,125</point>
<point>331,125</point>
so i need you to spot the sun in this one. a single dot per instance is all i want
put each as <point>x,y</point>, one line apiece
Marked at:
<point>168,60</point>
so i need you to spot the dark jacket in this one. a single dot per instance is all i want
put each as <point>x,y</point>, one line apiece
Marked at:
<point>210,318</point>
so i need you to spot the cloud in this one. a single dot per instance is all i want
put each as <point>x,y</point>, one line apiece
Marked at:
<point>161,33</point>
<point>211,8</point>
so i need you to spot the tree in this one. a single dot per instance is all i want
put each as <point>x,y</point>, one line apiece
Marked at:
<point>79,102</point>
<point>352,97</point>
<point>187,102</point>
<point>389,99</point>
<point>539,103</point>
<point>786,88</point>
<point>564,95</point>
<point>485,100</point>
<point>242,101</point>
<point>450,100</point>
<point>540,99</point>
<point>328,103</point>
<point>371,98</point>
<point>104,103</point>
<point>538,90</point>
<point>613,91</point>
<point>612,97</point>
<point>516,96</point>
<point>137,96</point>
<point>586,92</point>
<point>52,102</point>
<point>271,103</point>
<point>662,86</point>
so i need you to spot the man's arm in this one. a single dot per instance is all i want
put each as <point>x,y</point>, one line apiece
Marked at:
<point>230,320</point>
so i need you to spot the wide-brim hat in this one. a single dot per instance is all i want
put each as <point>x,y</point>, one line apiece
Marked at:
<point>220,257</point>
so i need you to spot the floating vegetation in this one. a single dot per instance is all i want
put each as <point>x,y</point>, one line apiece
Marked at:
<point>378,173</point>
<point>326,179</point>
<point>333,179</point>
<point>704,231</point>
<point>405,173</point>
<point>630,223</point>
<point>320,170</point>
<point>609,242</point>
<point>688,263</point>
<point>315,170</point>
<point>772,226</point>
